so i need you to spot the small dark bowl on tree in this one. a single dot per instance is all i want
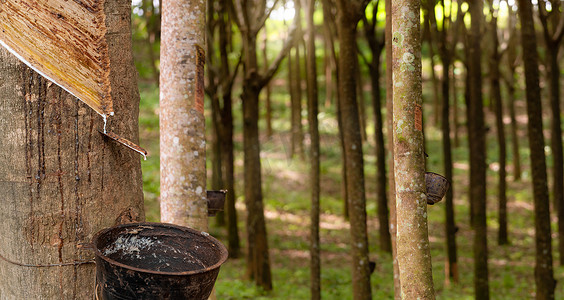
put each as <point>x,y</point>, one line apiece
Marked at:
<point>437,186</point>
<point>216,201</point>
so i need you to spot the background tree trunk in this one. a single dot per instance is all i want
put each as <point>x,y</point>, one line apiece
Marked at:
<point>413,252</point>
<point>258,262</point>
<point>62,180</point>
<point>390,142</point>
<point>314,180</point>
<point>376,47</point>
<point>544,278</point>
<point>348,16</point>
<point>553,40</point>
<point>500,130</point>
<point>477,141</point>
<point>512,63</point>
<point>182,124</point>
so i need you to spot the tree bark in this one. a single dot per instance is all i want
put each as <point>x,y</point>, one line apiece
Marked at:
<point>413,251</point>
<point>477,154</point>
<point>446,49</point>
<point>376,48</point>
<point>361,104</point>
<point>553,40</point>
<point>556,145</point>
<point>510,83</point>
<point>390,142</point>
<point>500,130</point>
<point>348,16</point>
<point>268,92</point>
<point>544,278</point>
<point>182,124</point>
<point>227,148</point>
<point>455,108</point>
<point>314,181</point>
<point>62,180</point>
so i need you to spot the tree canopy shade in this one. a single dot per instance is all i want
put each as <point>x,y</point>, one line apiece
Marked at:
<point>65,42</point>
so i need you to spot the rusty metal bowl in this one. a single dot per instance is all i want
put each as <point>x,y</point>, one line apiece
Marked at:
<point>437,186</point>
<point>156,261</point>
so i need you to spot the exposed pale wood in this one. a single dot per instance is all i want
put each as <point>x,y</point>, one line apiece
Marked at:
<point>65,41</point>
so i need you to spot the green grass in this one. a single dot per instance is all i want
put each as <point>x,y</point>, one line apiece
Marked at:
<point>287,205</point>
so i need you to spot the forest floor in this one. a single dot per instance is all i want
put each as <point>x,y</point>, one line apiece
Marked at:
<point>287,204</point>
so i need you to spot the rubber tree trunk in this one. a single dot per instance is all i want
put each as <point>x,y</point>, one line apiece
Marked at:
<point>258,263</point>
<point>347,19</point>
<point>477,143</point>
<point>376,48</point>
<point>544,277</point>
<point>314,152</point>
<point>62,181</point>
<point>227,155</point>
<point>500,131</point>
<point>296,95</point>
<point>511,56</point>
<point>553,47</point>
<point>413,252</point>
<point>451,269</point>
<point>556,145</point>
<point>390,142</point>
<point>268,90</point>
<point>182,124</point>
<point>445,53</point>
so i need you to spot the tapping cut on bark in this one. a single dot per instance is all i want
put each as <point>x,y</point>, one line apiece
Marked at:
<point>64,41</point>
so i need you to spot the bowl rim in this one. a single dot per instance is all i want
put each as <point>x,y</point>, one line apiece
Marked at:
<point>222,249</point>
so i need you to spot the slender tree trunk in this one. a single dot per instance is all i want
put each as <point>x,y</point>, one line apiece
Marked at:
<point>258,263</point>
<point>451,268</point>
<point>467,100</point>
<point>234,247</point>
<point>413,251</point>
<point>329,65</point>
<point>347,21</point>
<point>182,124</point>
<point>296,103</point>
<point>313,110</point>
<point>498,107</point>
<point>434,80</point>
<point>217,173</point>
<point>455,109</point>
<point>390,142</point>
<point>383,211</point>
<point>150,39</point>
<point>212,87</point>
<point>226,138</point>
<point>514,136</point>
<point>376,48</point>
<point>478,155</point>
<point>510,83</point>
<point>62,181</point>
<point>544,277</point>
<point>268,100</point>
<point>361,104</point>
<point>556,145</point>
<point>329,22</point>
